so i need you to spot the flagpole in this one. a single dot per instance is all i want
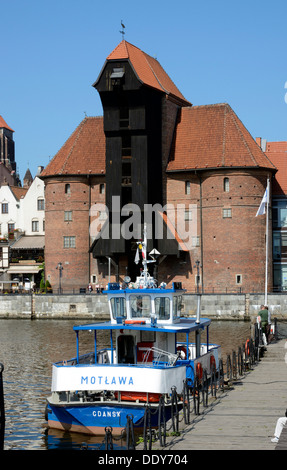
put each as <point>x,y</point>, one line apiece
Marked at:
<point>267,242</point>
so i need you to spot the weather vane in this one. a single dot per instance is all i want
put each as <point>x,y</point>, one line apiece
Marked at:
<point>123,28</point>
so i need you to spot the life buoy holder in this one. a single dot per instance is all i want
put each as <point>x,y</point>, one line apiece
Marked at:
<point>199,370</point>
<point>181,350</point>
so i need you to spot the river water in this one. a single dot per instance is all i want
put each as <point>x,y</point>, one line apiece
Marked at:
<point>27,351</point>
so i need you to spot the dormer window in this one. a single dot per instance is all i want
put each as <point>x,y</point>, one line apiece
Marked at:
<point>117,76</point>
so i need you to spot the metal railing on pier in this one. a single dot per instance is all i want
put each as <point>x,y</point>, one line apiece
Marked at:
<point>2,409</point>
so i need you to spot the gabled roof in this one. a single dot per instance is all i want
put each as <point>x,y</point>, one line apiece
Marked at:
<point>4,124</point>
<point>148,69</point>
<point>83,153</point>
<point>212,136</point>
<point>18,191</point>
<point>277,153</point>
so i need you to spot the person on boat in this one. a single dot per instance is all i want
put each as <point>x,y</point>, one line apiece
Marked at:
<point>281,422</point>
<point>137,311</point>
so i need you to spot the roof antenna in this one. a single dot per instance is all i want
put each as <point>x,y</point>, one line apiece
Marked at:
<point>122,31</point>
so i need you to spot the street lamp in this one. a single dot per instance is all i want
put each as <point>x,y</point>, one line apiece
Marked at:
<point>197,266</point>
<point>60,268</point>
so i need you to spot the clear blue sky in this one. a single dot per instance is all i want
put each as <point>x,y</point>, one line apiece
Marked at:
<point>215,51</point>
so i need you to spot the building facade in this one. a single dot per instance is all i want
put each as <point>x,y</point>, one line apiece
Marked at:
<point>193,170</point>
<point>22,225</point>
<point>277,152</point>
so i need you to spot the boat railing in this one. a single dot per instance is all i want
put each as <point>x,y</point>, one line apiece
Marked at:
<point>160,357</point>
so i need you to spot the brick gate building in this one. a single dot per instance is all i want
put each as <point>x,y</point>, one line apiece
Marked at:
<point>153,147</point>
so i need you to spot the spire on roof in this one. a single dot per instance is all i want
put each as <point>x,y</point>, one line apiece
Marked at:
<point>28,179</point>
<point>4,124</point>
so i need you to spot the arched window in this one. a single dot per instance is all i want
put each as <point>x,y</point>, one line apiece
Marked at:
<point>226,185</point>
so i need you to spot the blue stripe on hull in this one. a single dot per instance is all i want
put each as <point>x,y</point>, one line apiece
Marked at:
<point>93,419</point>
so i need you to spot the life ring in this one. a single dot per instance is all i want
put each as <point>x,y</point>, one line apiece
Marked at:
<point>199,370</point>
<point>181,350</point>
<point>212,362</point>
<point>247,347</point>
<point>139,396</point>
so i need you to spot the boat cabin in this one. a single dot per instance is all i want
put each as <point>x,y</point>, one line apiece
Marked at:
<point>154,305</point>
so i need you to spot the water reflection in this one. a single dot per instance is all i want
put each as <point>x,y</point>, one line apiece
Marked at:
<point>27,350</point>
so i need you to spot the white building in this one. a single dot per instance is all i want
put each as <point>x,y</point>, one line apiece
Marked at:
<point>22,222</point>
<point>22,209</point>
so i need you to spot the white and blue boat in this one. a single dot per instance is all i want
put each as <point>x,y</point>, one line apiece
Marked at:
<point>152,351</point>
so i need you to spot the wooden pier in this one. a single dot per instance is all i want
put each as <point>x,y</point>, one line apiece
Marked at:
<point>242,416</point>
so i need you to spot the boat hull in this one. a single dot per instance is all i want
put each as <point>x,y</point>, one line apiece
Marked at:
<point>93,419</point>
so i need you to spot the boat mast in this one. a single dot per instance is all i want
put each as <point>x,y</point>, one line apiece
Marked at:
<point>147,280</point>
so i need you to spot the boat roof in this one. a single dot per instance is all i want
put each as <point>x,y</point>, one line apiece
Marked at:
<point>115,289</point>
<point>183,326</point>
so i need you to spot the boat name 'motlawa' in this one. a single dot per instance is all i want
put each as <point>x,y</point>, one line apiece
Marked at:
<point>104,380</point>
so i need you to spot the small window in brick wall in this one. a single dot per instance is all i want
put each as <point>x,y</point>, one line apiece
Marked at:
<point>226,185</point>
<point>238,279</point>
<point>187,187</point>
<point>70,242</point>
<point>226,213</point>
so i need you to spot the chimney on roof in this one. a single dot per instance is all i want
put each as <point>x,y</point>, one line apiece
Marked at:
<point>40,169</point>
<point>262,143</point>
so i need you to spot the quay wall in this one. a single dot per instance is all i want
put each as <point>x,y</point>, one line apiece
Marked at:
<point>95,307</point>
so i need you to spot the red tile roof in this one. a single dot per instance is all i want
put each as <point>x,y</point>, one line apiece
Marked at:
<point>4,124</point>
<point>82,153</point>
<point>148,69</point>
<point>277,153</point>
<point>212,136</point>
<point>18,191</point>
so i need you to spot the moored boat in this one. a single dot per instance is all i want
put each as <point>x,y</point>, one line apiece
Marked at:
<point>150,356</point>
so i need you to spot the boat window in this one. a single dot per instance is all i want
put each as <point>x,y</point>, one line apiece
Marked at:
<point>162,307</point>
<point>179,305</point>
<point>118,305</point>
<point>175,307</point>
<point>140,305</point>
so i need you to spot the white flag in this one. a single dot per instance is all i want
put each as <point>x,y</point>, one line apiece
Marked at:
<point>262,207</point>
<point>137,257</point>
